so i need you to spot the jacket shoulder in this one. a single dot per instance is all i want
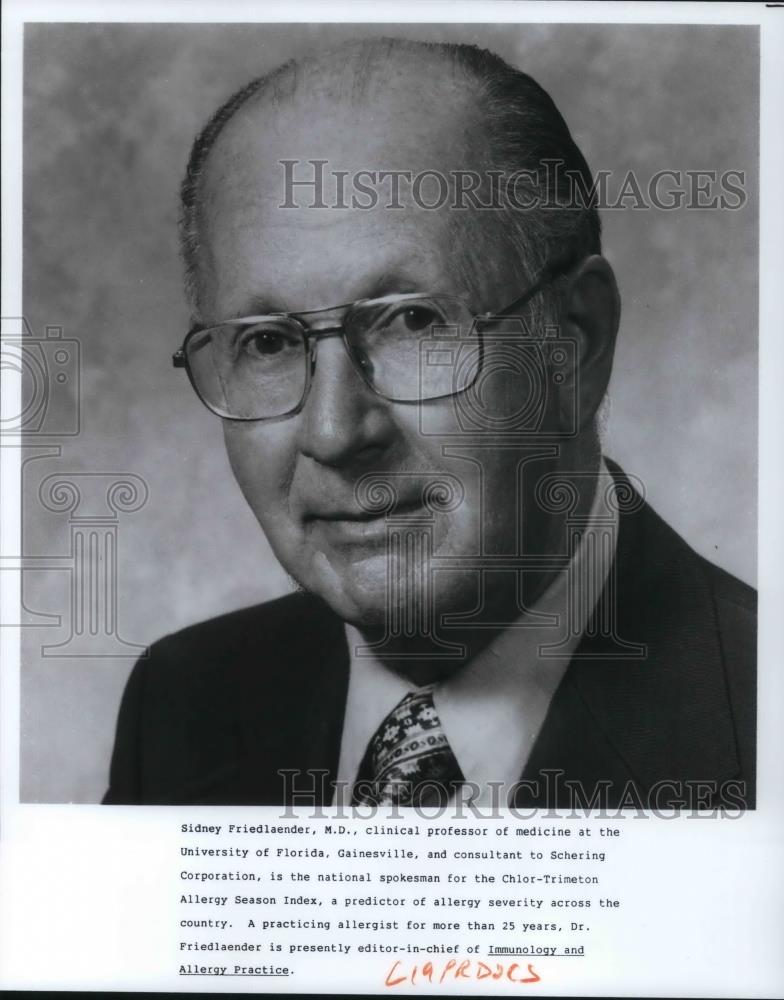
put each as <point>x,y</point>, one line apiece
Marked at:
<point>731,593</point>
<point>180,722</point>
<point>736,622</point>
<point>254,631</point>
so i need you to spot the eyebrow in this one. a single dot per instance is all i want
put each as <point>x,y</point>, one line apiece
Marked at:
<point>389,281</point>
<point>393,280</point>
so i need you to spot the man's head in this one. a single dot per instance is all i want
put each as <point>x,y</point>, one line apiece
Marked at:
<point>421,109</point>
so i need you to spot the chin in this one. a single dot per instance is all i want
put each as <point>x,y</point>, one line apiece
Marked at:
<point>366,612</point>
<point>356,586</point>
<point>356,590</point>
<point>359,593</point>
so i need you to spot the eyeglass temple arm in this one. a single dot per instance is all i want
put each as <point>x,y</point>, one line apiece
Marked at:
<point>549,273</point>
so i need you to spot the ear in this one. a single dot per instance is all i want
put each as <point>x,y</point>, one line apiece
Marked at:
<point>592,315</point>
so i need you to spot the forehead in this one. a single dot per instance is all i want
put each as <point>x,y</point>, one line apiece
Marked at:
<point>409,124</point>
<point>253,245</point>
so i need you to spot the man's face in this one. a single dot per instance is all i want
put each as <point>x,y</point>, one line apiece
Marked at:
<point>299,474</point>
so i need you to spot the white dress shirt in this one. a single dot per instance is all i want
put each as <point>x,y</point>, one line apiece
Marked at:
<point>492,709</point>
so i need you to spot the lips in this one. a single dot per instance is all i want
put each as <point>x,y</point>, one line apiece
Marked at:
<point>358,514</point>
<point>351,526</point>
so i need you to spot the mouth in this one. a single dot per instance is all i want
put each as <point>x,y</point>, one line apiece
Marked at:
<point>353,526</point>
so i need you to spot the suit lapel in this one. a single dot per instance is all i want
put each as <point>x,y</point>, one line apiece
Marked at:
<point>293,706</point>
<point>286,664</point>
<point>665,715</point>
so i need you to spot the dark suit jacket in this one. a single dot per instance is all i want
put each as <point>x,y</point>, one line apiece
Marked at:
<point>217,709</point>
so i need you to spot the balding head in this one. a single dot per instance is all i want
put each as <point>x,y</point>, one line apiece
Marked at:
<point>258,186</point>
<point>486,117</point>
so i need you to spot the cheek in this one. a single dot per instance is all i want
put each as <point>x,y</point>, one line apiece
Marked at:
<point>261,458</point>
<point>499,511</point>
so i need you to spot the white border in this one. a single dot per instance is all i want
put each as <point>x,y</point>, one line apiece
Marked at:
<point>382,11</point>
<point>764,830</point>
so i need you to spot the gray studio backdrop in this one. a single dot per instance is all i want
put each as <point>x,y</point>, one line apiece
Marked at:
<point>110,112</point>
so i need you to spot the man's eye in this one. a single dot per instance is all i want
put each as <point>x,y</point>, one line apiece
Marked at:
<point>266,343</point>
<point>418,318</point>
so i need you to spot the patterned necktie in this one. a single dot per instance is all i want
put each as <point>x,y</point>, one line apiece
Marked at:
<point>408,761</point>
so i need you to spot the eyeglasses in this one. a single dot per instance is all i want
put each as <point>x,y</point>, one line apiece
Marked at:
<point>261,367</point>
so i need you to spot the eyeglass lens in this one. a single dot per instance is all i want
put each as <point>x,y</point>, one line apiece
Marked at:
<point>406,350</point>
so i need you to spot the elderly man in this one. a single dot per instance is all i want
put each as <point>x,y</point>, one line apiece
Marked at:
<point>403,319</point>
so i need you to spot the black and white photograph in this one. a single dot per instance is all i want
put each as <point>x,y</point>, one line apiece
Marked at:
<point>385,436</point>
<point>460,538</point>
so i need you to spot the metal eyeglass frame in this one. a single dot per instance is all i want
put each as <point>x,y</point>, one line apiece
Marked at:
<point>311,336</point>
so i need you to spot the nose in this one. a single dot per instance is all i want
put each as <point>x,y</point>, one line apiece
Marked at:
<point>343,422</point>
